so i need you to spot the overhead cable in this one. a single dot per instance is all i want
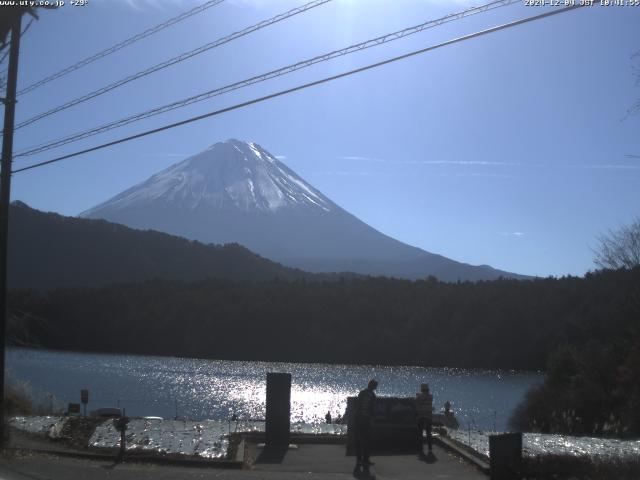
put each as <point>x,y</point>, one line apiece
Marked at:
<point>7,45</point>
<point>121,45</point>
<point>8,48</point>
<point>263,77</point>
<point>173,61</point>
<point>300,87</point>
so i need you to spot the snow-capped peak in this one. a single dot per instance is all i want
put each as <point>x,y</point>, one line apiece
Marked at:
<point>227,175</point>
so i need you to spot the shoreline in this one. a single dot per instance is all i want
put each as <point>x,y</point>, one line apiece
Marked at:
<point>213,439</point>
<point>453,370</point>
<point>243,449</point>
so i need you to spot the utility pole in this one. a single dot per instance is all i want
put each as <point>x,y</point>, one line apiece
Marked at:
<point>5,197</point>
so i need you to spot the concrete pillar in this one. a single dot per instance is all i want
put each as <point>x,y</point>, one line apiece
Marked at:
<point>278,409</point>
<point>352,406</point>
<point>505,456</point>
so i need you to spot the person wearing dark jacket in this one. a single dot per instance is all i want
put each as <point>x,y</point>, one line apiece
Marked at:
<point>364,414</point>
<point>424,409</point>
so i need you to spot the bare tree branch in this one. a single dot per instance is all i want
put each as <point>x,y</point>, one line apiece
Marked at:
<point>619,248</point>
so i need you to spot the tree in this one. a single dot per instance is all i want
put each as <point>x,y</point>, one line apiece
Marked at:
<point>620,248</point>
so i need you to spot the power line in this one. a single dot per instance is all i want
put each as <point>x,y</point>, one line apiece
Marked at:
<point>263,77</point>
<point>121,45</point>
<point>8,47</point>
<point>301,87</point>
<point>174,60</point>
<point>4,72</point>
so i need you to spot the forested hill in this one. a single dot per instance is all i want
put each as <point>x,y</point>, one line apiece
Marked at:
<point>496,324</point>
<point>47,250</point>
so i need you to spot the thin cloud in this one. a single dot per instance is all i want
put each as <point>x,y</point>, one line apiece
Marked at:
<point>488,163</point>
<point>486,175</point>
<point>511,234</point>
<point>603,166</point>
<point>347,173</point>
<point>632,156</point>
<point>281,157</point>
<point>458,162</point>
<point>361,159</point>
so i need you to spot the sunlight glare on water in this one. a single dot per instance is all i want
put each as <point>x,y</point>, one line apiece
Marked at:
<point>196,389</point>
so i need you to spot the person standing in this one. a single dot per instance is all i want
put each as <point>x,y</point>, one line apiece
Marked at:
<point>327,417</point>
<point>364,415</point>
<point>424,409</point>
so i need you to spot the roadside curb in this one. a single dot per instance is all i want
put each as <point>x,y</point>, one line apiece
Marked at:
<point>452,446</point>
<point>137,458</point>
<point>299,438</point>
<point>60,453</point>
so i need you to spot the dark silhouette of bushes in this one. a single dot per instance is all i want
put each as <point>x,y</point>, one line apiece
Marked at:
<point>593,380</point>
<point>557,467</point>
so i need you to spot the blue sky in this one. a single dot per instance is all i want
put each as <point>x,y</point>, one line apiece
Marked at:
<point>513,149</point>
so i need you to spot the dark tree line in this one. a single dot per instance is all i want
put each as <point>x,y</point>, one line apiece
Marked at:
<point>584,331</point>
<point>498,324</point>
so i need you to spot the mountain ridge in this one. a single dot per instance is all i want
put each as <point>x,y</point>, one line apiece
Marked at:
<point>237,191</point>
<point>48,250</point>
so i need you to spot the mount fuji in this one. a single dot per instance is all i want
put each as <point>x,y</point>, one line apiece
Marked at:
<point>238,192</point>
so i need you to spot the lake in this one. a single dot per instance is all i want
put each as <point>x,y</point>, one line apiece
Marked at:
<point>198,389</point>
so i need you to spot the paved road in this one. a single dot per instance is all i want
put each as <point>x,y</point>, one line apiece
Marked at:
<point>309,462</point>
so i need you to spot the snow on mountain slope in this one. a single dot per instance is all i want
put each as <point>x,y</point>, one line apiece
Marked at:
<point>238,192</point>
<point>229,175</point>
